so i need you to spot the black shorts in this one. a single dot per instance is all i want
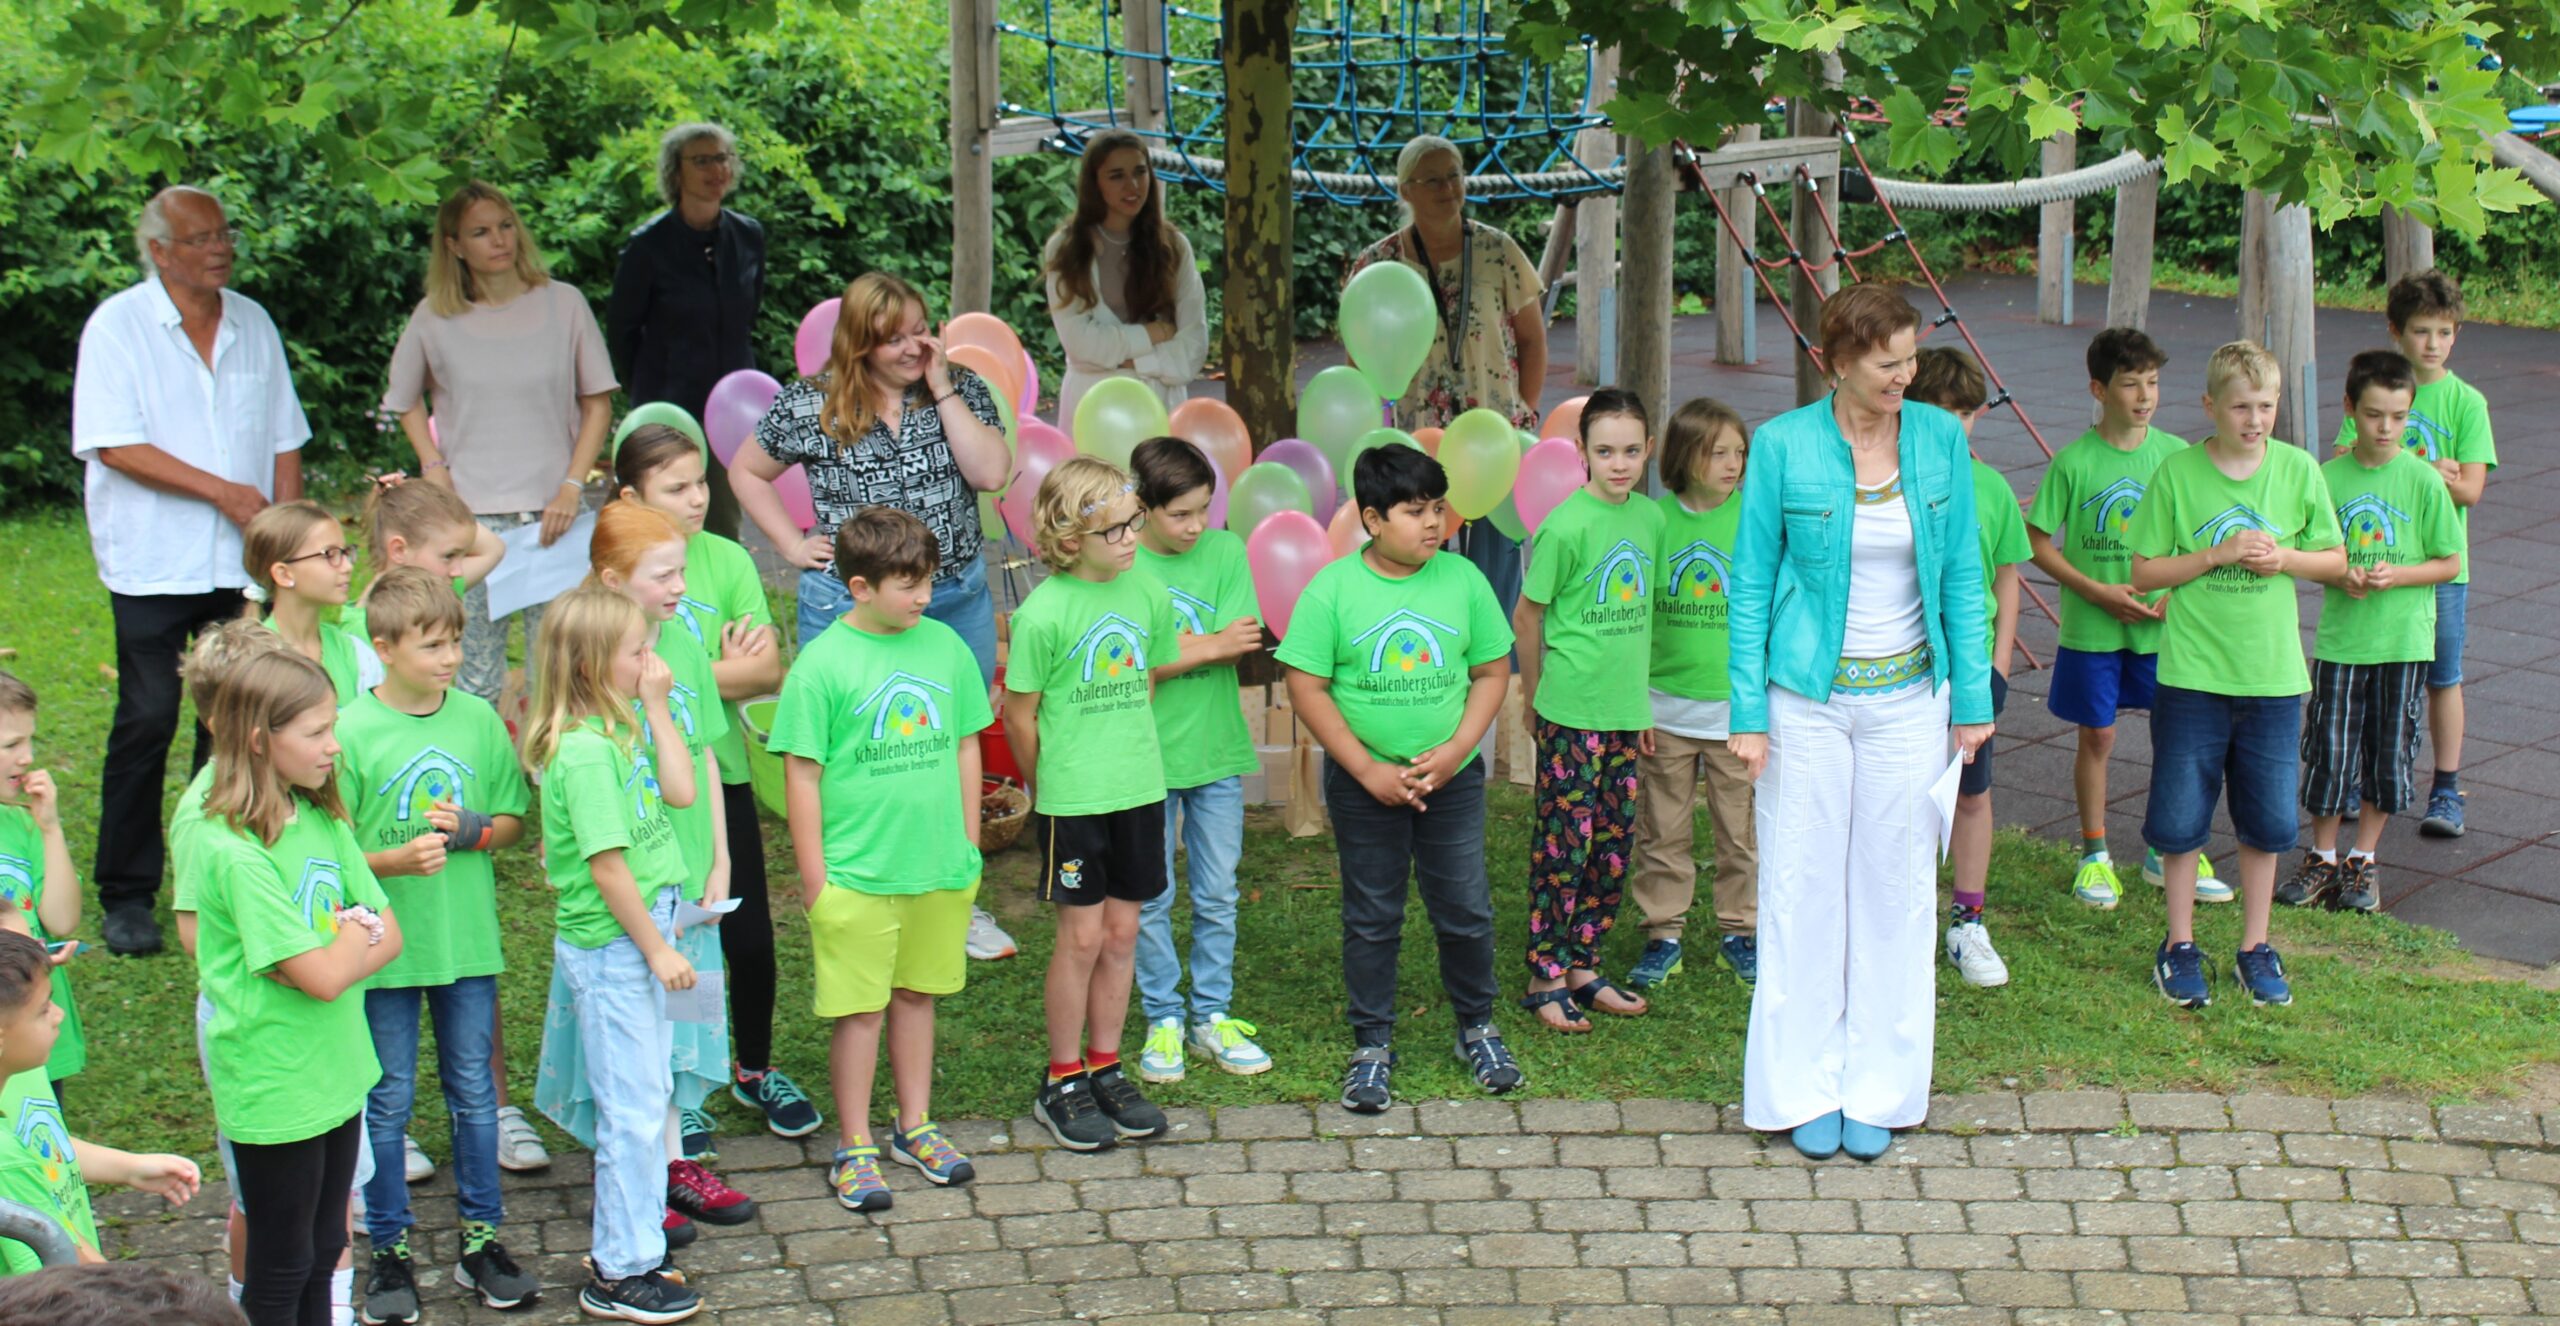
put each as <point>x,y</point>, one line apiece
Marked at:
<point>1976,778</point>
<point>1119,854</point>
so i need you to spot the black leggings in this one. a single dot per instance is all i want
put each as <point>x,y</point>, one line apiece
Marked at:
<point>746,938</point>
<point>293,1197</point>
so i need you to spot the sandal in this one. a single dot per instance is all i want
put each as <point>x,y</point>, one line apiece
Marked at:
<point>1587,995</point>
<point>1573,1023</point>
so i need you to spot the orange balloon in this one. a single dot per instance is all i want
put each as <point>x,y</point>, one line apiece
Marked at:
<point>988,330</point>
<point>1003,374</point>
<point>1430,440</point>
<point>1345,531</point>
<point>1564,421</point>
<point>1450,531</point>
<point>1213,426</point>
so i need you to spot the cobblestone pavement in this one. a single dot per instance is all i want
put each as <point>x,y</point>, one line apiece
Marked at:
<point>2054,1207</point>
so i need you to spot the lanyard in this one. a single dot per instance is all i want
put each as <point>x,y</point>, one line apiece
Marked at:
<point>1453,325</point>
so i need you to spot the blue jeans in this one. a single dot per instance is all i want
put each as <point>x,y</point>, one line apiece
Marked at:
<point>960,601</point>
<point>464,1011</point>
<point>1210,819</point>
<point>2453,629</point>
<point>622,1022</point>
<point>2200,742</point>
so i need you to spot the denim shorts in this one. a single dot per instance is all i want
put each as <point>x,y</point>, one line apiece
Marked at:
<point>2453,630</point>
<point>2201,743</point>
<point>2090,688</point>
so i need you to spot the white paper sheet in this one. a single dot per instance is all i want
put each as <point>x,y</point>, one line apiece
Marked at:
<point>707,1001</point>
<point>531,574</point>
<point>691,914</point>
<point>1943,794</point>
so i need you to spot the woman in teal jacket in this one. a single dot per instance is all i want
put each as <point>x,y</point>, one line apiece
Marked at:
<point>1856,610</point>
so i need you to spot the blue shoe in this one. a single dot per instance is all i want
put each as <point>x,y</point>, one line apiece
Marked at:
<point>1865,1141</point>
<point>855,1175</point>
<point>932,1155</point>
<point>2178,969</point>
<point>1820,1139</point>
<point>1742,953</point>
<point>786,1108</point>
<point>1661,962</point>
<point>2262,970</point>
<point>2444,816</point>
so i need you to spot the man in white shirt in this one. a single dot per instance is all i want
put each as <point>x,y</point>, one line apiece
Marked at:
<point>183,406</point>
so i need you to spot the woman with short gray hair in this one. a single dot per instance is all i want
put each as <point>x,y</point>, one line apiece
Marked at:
<point>683,311</point>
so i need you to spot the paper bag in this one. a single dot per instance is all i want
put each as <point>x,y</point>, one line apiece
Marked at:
<point>1303,815</point>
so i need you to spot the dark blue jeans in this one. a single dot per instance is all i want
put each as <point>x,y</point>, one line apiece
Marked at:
<point>1380,849</point>
<point>464,1011</point>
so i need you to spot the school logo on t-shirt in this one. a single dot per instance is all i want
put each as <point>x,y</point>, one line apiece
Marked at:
<point>2371,525</point>
<point>17,880</point>
<point>2111,508</point>
<point>642,785</point>
<point>1196,612</point>
<point>1698,570</point>
<point>1406,640</point>
<point>680,703</point>
<point>1620,575</point>
<point>41,1133</point>
<point>696,614</point>
<point>905,704</point>
<point>1111,646</point>
<point>433,775</point>
<point>322,891</point>
<point>2234,519</point>
<point>2431,440</point>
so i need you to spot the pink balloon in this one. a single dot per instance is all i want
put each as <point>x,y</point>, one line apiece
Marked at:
<point>1029,406</point>
<point>737,403</point>
<point>1285,551</point>
<point>792,486</point>
<point>1346,531</point>
<point>1311,466</point>
<point>1041,449</point>
<point>817,333</point>
<point>1548,475</point>
<point>1213,426</point>
<point>1217,514</point>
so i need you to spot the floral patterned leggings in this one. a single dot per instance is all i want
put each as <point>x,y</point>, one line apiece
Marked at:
<point>1580,845</point>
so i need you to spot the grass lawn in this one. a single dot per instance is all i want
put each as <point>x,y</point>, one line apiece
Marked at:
<point>2382,1006</point>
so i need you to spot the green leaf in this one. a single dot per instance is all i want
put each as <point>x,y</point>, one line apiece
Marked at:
<point>2501,189</point>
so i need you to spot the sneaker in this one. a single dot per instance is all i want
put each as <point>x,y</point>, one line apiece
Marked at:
<point>490,1271</point>
<point>699,1193</point>
<point>2359,886</point>
<point>679,1229</point>
<point>701,1143</point>
<point>391,1292</point>
<point>2311,883</point>
<point>1068,1109</point>
<point>1969,948</point>
<point>1228,1043</point>
<point>1161,1060</point>
<point>2262,970</point>
<point>2208,888</point>
<point>931,1154</point>
<point>2095,883</point>
<point>1131,1113</point>
<point>987,941</point>
<point>2178,969</point>
<point>1481,1049</point>
<point>2444,817</point>
<point>1365,1087</point>
<point>1742,953</point>
<point>855,1175</point>
<point>650,1299</point>
<point>414,1162</point>
<point>519,1147</point>
<point>1661,962</point>
<point>131,931</point>
<point>786,1107</point>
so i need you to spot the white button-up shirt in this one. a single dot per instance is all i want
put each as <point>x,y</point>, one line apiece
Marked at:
<point>140,380</point>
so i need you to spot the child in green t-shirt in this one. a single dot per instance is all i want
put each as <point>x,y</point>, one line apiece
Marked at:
<point>2229,525</point>
<point>1952,381</point>
<point>1207,751</point>
<point>35,863</point>
<point>431,780</point>
<point>1080,719</point>
<point>878,728</point>
<point>1704,447</point>
<point>1398,658</point>
<point>300,567</point>
<point>2376,639</point>
<point>1585,624</point>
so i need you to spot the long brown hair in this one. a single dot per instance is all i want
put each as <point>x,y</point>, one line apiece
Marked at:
<point>264,694</point>
<point>1154,245</point>
<point>451,287</point>
<point>875,307</point>
<point>573,671</point>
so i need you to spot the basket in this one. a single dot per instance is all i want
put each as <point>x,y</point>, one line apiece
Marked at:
<point>1003,808</point>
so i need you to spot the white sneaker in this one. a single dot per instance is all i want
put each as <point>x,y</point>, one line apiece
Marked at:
<point>1228,1042</point>
<point>1969,948</point>
<point>987,941</point>
<point>1161,1061</point>
<point>414,1161</point>
<point>519,1147</point>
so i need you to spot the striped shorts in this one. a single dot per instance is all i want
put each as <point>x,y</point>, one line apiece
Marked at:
<point>2360,736</point>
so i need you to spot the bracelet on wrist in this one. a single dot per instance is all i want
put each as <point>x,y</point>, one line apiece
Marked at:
<point>439,463</point>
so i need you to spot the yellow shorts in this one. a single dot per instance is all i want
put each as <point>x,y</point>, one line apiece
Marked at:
<point>866,944</point>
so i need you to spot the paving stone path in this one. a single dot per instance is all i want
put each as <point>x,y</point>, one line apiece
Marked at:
<point>2043,1208</point>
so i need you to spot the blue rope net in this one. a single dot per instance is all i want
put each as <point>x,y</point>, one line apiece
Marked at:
<point>1367,77</point>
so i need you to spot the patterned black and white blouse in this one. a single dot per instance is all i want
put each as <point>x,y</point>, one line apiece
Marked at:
<point>914,471</point>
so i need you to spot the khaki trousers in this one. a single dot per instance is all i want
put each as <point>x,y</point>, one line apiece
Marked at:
<point>1666,808</point>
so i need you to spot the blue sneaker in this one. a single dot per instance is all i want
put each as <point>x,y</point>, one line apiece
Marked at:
<point>1864,1141</point>
<point>1742,953</point>
<point>855,1176</point>
<point>2178,969</point>
<point>1819,1139</point>
<point>2262,970</point>
<point>931,1154</point>
<point>786,1108</point>
<point>2444,816</point>
<point>1661,962</point>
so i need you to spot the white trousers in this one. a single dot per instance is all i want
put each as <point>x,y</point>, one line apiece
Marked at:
<point>1845,1011</point>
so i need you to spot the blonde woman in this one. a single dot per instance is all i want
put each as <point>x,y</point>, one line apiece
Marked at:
<point>1124,291</point>
<point>514,369</point>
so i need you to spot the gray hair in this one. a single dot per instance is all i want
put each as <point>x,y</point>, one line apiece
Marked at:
<point>671,154</point>
<point>152,226</point>
<point>1416,150</point>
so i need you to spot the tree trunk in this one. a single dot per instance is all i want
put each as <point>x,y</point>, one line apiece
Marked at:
<point>1644,288</point>
<point>1261,347</point>
<point>973,182</point>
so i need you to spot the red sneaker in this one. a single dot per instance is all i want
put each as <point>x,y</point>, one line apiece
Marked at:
<point>699,1193</point>
<point>680,1230</point>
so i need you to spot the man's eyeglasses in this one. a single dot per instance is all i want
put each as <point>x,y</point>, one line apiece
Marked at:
<point>1122,532</point>
<point>228,235</point>
<point>336,556</point>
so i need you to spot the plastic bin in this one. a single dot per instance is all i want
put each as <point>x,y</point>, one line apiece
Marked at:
<point>764,768</point>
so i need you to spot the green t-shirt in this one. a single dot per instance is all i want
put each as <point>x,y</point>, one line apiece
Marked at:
<point>359,626</point>
<point>1084,648</point>
<point>1200,713</point>
<point>2232,631</point>
<point>2448,420</point>
<point>721,587</point>
<point>2004,540</point>
<point>393,768</point>
<point>38,1168</point>
<point>284,1066</point>
<point>2084,502</point>
<point>694,700</point>
<point>1593,565</point>
<point>596,797</point>
<point>2398,513</point>
<point>1691,638</point>
<point>185,823</point>
<point>22,882</point>
<point>1397,650</point>
<point>884,716</point>
<point>337,657</point>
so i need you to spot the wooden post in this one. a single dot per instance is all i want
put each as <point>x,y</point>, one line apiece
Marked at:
<point>1262,352</point>
<point>1552,256</point>
<point>2129,264</point>
<point>2053,236</point>
<point>2255,209</point>
<point>1142,76</point>
<point>1804,231</point>
<point>2290,274</point>
<point>973,180</point>
<point>1737,290</point>
<point>2408,246</point>
<point>1644,295</point>
<point>1595,263</point>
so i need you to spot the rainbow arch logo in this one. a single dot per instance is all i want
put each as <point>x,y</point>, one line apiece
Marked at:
<point>1406,641</point>
<point>642,785</point>
<point>2430,439</point>
<point>42,1134</point>
<point>1619,576</point>
<point>698,615</point>
<point>904,705</point>
<point>1110,647</point>
<point>2111,508</point>
<point>433,775</point>
<point>1196,612</point>
<point>2232,520</point>
<point>2371,523</point>
<point>1697,570</point>
<point>322,891</point>
<point>17,880</point>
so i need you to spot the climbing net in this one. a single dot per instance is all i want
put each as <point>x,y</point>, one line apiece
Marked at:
<point>1368,76</point>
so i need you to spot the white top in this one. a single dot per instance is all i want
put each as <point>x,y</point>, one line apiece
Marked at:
<point>1698,720</point>
<point>1097,341</point>
<point>1884,577</point>
<point>141,381</point>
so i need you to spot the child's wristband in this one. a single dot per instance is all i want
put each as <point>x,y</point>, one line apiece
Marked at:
<point>473,831</point>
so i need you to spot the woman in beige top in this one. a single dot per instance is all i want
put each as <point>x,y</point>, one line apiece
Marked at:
<point>521,386</point>
<point>1124,292</point>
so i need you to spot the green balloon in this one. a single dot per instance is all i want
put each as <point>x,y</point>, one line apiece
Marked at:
<point>1480,449</point>
<point>660,412</point>
<point>1117,415</point>
<point>1506,517</point>
<point>1375,437</point>
<point>1336,408</point>
<point>1389,319</point>
<point>1265,490</point>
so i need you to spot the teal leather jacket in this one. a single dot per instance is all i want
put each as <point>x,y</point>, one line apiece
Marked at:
<point>1789,595</point>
